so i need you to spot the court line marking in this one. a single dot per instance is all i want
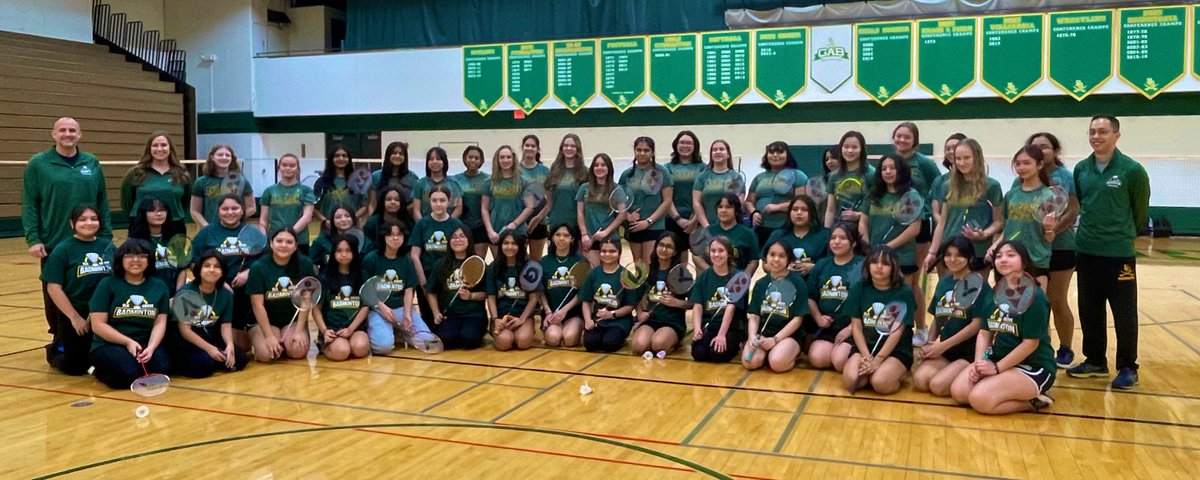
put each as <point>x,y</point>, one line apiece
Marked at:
<point>758,409</point>
<point>543,391</point>
<point>787,432</point>
<point>296,363</point>
<point>1177,396</point>
<point>687,440</point>
<point>27,350</point>
<point>20,306</point>
<point>24,338</point>
<point>482,382</point>
<point>21,292</point>
<point>857,463</point>
<point>1180,339</point>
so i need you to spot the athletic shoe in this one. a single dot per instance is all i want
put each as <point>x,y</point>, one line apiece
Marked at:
<point>1087,370</point>
<point>1065,357</point>
<point>1126,379</point>
<point>1042,401</point>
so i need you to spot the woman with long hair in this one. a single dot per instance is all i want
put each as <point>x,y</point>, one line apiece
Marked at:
<point>459,310</point>
<point>563,320</point>
<point>198,351</point>
<point>71,273</point>
<point>562,181</point>
<point>660,314</point>
<point>593,214</point>
<point>850,183</point>
<point>436,165</point>
<point>222,176</point>
<point>972,206</point>
<point>647,209</point>
<point>534,171</point>
<point>1062,251</point>
<point>394,173</point>
<point>717,179</point>
<point>151,223</point>
<point>686,167</point>
<point>1022,215</point>
<point>274,335</point>
<point>953,348</point>
<point>333,186</point>
<point>880,364</point>
<point>288,203</point>
<point>892,181</point>
<point>158,173</point>
<point>769,195</point>
<point>129,316</point>
<point>829,284</point>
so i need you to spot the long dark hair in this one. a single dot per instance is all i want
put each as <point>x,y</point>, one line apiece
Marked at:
<point>440,154</point>
<point>179,175</point>
<point>675,259</point>
<point>885,255</point>
<point>388,170</point>
<point>449,263</point>
<point>966,249</point>
<point>1037,155</point>
<point>133,246</point>
<point>862,153</point>
<point>696,158</point>
<point>403,215</point>
<point>558,168</point>
<point>140,226</point>
<point>328,227</point>
<point>1026,261</point>
<point>199,265</point>
<point>778,146</point>
<point>857,245</point>
<point>573,249</point>
<point>501,261</point>
<point>1054,143</point>
<point>813,224</point>
<point>903,178</point>
<point>331,277</point>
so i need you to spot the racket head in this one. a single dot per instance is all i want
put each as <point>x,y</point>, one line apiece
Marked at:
<point>150,385</point>
<point>357,234</point>
<point>618,200</point>
<point>817,188</point>
<point>737,184</point>
<point>310,181</point>
<point>967,290</point>
<point>472,270</point>
<point>680,278</point>
<point>889,317</point>
<point>908,208</point>
<point>579,273</point>
<point>306,293</point>
<point>189,307</point>
<point>652,181</point>
<point>533,194</point>
<point>232,184</point>
<point>634,275</point>
<point>373,292</point>
<point>1060,199</point>
<point>737,286</point>
<point>359,182</point>
<point>179,251</point>
<point>698,242</point>
<point>427,342</point>
<point>784,181</point>
<point>847,190</point>
<point>1015,298</point>
<point>780,292</point>
<point>531,276</point>
<point>251,240</point>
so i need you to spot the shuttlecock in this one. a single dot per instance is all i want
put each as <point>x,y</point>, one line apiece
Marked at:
<point>662,354</point>
<point>142,411</point>
<point>585,389</point>
<point>647,355</point>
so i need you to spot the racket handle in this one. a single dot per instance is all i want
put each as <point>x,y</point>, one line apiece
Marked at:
<point>564,300</point>
<point>877,341</point>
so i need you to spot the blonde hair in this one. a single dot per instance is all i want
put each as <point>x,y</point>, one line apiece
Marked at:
<point>210,167</point>
<point>973,185</point>
<point>496,170</point>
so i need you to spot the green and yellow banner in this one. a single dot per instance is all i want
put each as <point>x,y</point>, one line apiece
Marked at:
<point>483,76</point>
<point>883,59</point>
<point>575,73</point>
<point>946,56</point>
<point>1012,54</point>
<point>1153,48</point>
<point>780,63</point>
<point>1081,50</point>
<point>672,69</point>
<point>726,72</point>
<point>528,74</point>
<point>623,71</point>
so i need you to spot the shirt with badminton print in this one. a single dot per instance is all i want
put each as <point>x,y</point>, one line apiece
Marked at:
<point>640,183</point>
<point>868,303</point>
<point>210,189</point>
<point>505,285</point>
<point>829,285</point>
<point>131,309</point>
<point>271,280</point>
<point>336,191</point>
<point>398,274</point>
<point>604,290</point>
<point>712,186</point>
<point>286,203</point>
<point>158,185</point>
<point>162,265</point>
<point>1023,222</point>
<point>433,238</point>
<point>506,202</point>
<point>813,246</point>
<point>683,178</point>
<point>78,266</point>
<point>340,301</point>
<point>51,188</point>
<point>924,172</point>
<point>953,319</point>
<point>322,246</point>
<point>462,307</point>
<point>773,313</point>
<point>596,212</point>
<point>1010,329</point>
<point>426,185</point>
<point>1113,205</point>
<point>219,312</point>
<point>745,242</point>
<point>766,191</point>
<point>472,191</point>
<point>709,291</point>
<point>535,174</point>
<point>851,188</point>
<point>661,315</point>
<point>557,280</point>
<point>225,241</point>
<point>975,211</point>
<point>883,227</point>
<point>407,182</point>
<point>563,195</point>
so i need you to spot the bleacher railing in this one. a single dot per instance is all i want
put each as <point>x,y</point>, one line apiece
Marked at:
<point>130,36</point>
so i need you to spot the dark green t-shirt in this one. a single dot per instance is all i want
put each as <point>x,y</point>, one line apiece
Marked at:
<point>272,281</point>
<point>505,285</point>
<point>78,266</point>
<point>564,208</point>
<point>813,246</point>
<point>683,179</point>
<point>340,302</point>
<point>774,313</point>
<point>159,185</point>
<point>426,185</point>
<point>947,313</point>
<point>829,285</point>
<point>745,242</point>
<point>866,302</point>
<point>131,309</point>
<point>433,238</point>
<point>883,227</point>
<point>655,288</point>
<point>1023,222</point>
<point>766,187</point>
<point>1010,330</point>
<point>225,241</point>
<point>557,282</point>
<point>398,274</point>
<point>220,312</point>
<point>472,189</point>
<point>334,192</point>
<point>712,186</point>
<point>286,203</point>
<point>709,292</point>
<point>162,266</point>
<point>641,198</point>
<point>450,286</point>
<point>974,211</point>
<point>597,214</point>
<point>506,202</point>
<point>603,290</point>
<point>209,189</point>
<point>851,189</point>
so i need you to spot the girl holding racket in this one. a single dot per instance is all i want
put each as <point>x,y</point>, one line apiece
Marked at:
<point>829,284</point>
<point>562,182</point>
<point>288,203</point>
<point>220,168</point>
<point>954,348</point>
<point>906,138</point>
<point>152,224</point>
<point>607,305</point>
<point>430,241</point>
<point>1025,218</point>
<point>892,182</point>
<point>129,316</point>
<point>271,300</point>
<point>199,351</point>
<point>333,186</point>
<point>504,209</point>
<point>972,206</point>
<point>223,237</point>
<point>459,312</point>
<point>436,163</point>
<point>849,184</point>
<point>511,307</point>
<point>686,167</point>
<point>395,173</point>
<point>774,323</point>
<point>340,222</point>
<point>650,186</point>
<point>1062,251</point>
<point>880,364</point>
<point>807,241</point>
<point>769,193</point>
<point>390,209</point>
<point>533,171</point>
<point>593,213</point>
<point>660,313</point>
<point>341,320</point>
<point>391,261</point>
<point>158,173</point>
<point>745,243</point>
<point>717,340</point>
<point>472,183</point>
<point>563,325</point>
<point>1014,363</point>
<point>717,179</point>
<point>72,271</point>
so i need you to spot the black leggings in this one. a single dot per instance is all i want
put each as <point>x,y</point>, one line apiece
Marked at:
<point>702,350</point>
<point>1113,281</point>
<point>604,338</point>
<point>51,309</point>
<point>460,333</point>
<point>188,360</point>
<point>118,369</point>
<point>69,351</point>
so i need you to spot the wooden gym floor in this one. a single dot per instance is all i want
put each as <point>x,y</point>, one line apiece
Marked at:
<point>485,414</point>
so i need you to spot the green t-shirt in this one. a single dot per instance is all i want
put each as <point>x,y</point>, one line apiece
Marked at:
<point>709,292</point>
<point>975,211</point>
<point>433,238</point>
<point>636,181</point>
<point>220,313</point>
<point>272,281</point>
<point>162,266</point>
<point>684,177</point>
<point>1113,205</point>
<point>656,286</point>
<point>924,172</point>
<point>812,246</point>
<point>225,241</point>
<point>1010,330</point>
<point>209,189</point>
<point>398,274</point>
<point>557,282</point>
<point>596,213</point>
<point>947,313</point>
<point>775,314</point>
<point>159,185</point>
<point>51,188</point>
<point>340,302</point>
<point>745,242</point>
<point>882,227</point>
<point>506,202</point>
<point>535,174</point>
<point>427,184</point>
<point>472,189</point>
<point>866,302</point>
<point>286,203</point>
<point>766,187</point>
<point>851,189</point>
<point>131,309</point>
<point>78,266</point>
<point>1023,222</point>
<point>322,247</point>
<point>939,188</point>
<point>564,208</point>
<point>1063,177</point>
<point>335,191</point>
<point>712,186</point>
<point>505,285</point>
<point>451,284</point>
<point>407,182</point>
<point>829,285</point>
<point>603,290</point>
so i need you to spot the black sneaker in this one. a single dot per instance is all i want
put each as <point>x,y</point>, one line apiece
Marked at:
<point>1042,401</point>
<point>1087,370</point>
<point>1065,357</point>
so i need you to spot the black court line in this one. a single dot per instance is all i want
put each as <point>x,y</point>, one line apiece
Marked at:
<point>546,389</point>
<point>20,306</point>
<point>1177,322</point>
<point>38,290</point>
<point>1190,294</point>
<point>27,350</point>
<point>1180,339</point>
<point>687,440</point>
<point>15,337</point>
<point>481,382</point>
<point>787,432</point>
<point>757,409</point>
<point>1177,396</point>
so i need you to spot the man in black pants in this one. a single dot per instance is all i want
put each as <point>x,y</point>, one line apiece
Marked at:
<point>1114,199</point>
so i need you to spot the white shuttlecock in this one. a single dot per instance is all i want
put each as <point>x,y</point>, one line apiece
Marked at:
<point>142,411</point>
<point>662,354</point>
<point>647,355</point>
<point>585,389</point>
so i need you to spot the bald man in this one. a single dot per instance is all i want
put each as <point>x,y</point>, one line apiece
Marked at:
<point>55,182</point>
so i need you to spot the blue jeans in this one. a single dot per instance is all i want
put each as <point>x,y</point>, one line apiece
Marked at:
<point>383,334</point>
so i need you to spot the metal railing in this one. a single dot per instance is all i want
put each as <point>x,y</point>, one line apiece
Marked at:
<point>130,36</point>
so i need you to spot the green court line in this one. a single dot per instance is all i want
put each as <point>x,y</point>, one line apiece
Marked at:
<point>547,389</point>
<point>482,383</point>
<point>787,432</point>
<point>392,374</point>
<point>713,411</point>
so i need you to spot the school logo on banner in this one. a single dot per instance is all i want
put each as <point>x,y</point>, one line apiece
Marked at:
<point>831,65</point>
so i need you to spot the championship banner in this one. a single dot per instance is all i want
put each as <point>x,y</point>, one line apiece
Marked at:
<point>726,73</point>
<point>528,74</point>
<point>623,71</point>
<point>780,63</point>
<point>1153,48</point>
<point>1196,41</point>
<point>883,59</point>
<point>483,76</point>
<point>672,69</point>
<point>946,56</point>
<point>575,73</point>
<point>1012,54</point>
<point>831,64</point>
<point>1081,50</point>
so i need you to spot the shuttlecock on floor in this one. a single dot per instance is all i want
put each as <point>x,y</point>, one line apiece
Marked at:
<point>647,355</point>
<point>662,354</point>
<point>585,389</point>
<point>142,411</point>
